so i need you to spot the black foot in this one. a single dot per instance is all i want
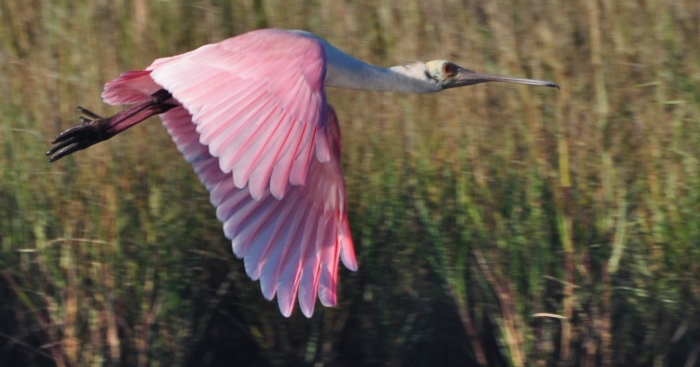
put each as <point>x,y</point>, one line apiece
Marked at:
<point>92,130</point>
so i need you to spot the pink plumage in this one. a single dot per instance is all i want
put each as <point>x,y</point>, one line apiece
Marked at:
<point>250,114</point>
<point>253,121</point>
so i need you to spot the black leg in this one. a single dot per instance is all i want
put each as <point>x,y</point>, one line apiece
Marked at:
<point>94,128</point>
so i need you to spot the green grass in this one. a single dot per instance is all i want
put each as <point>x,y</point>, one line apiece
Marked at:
<point>495,225</point>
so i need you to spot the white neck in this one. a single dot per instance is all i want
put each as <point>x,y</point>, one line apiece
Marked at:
<point>345,71</point>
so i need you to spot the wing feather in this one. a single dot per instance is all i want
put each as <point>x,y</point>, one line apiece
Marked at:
<point>259,255</point>
<point>223,107</point>
<point>273,71</point>
<point>327,265</point>
<point>259,177</point>
<point>308,287</point>
<point>130,87</point>
<point>292,268</point>
<point>297,175</point>
<point>267,150</point>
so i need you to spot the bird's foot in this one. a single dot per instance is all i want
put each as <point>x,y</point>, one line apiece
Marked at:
<point>92,130</point>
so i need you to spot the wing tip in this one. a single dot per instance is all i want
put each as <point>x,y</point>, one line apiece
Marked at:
<point>347,250</point>
<point>307,300</point>
<point>286,307</point>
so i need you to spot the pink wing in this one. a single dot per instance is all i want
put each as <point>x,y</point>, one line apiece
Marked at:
<point>289,222</point>
<point>258,103</point>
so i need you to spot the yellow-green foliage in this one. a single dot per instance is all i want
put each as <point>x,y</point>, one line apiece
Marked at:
<point>548,225</point>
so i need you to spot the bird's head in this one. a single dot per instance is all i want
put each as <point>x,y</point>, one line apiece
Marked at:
<point>449,75</point>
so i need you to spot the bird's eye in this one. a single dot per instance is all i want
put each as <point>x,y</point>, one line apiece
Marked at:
<point>449,69</point>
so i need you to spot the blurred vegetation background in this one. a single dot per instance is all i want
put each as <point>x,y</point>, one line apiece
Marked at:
<point>497,225</point>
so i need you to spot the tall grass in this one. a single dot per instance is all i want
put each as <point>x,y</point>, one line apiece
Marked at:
<point>495,225</point>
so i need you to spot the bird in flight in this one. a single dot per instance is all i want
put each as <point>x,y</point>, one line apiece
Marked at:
<point>250,115</point>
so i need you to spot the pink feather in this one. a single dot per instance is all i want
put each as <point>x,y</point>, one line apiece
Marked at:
<point>252,120</point>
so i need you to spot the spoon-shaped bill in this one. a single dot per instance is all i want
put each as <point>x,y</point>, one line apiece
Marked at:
<point>469,77</point>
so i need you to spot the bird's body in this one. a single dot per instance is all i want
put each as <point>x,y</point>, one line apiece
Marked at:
<point>250,114</point>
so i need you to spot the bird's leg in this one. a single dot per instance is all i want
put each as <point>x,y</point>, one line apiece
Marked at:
<point>94,129</point>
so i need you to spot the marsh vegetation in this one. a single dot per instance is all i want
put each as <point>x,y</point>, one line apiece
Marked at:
<point>497,225</point>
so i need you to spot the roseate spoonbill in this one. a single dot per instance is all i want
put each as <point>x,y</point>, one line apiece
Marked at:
<point>250,114</point>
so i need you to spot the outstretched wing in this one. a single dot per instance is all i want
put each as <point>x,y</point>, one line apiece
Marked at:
<point>291,244</point>
<point>258,103</point>
<point>250,131</point>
